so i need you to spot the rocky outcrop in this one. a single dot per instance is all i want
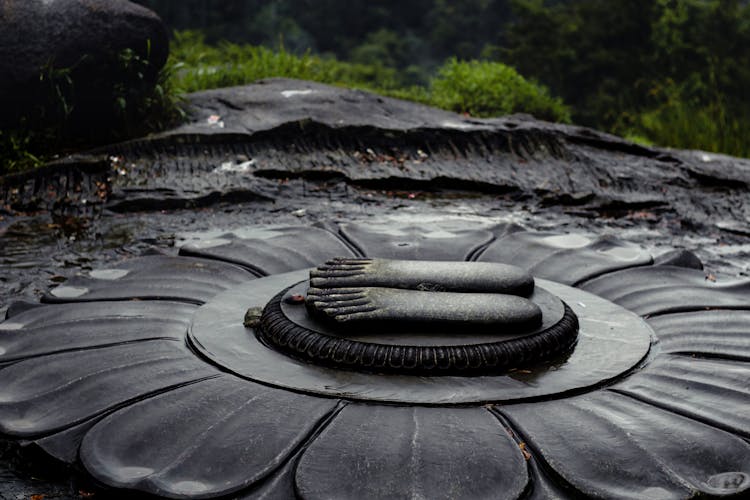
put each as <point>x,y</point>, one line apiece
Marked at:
<point>246,144</point>
<point>75,44</point>
<point>291,152</point>
<point>242,142</point>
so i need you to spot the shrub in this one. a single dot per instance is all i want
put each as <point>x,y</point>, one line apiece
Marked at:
<point>485,89</point>
<point>70,113</point>
<point>199,66</point>
<point>684,120</point>
<point>477,88</point>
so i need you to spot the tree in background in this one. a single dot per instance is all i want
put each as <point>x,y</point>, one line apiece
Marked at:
<point>701,99</point>
<point>671,72</point>
<point>594,53</point>
<point>675,72</point>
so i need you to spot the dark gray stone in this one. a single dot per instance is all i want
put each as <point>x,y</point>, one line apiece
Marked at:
<point>280,129</point>
<point>392,307</point>
<point>37,399</point>
<point>151,414</point>
<point>184,279</point>
<point>420,242</point>
<point>566,258</point>
<point>679,258</point>
<point>406,298</point>
<point>437,276</point>
<point>719,333</point>
<point>208,439</point>
<point>72,327</point>
<point>656,290</point>
<point>85,36</point>
<point>337,143</point>
<point>611,343</point>
<point>450,331</point>
<point>413,453</point>
<point>612,446</point>
<point>367,167</point>
<point>713,391</point>
<point>64,445</point>
<point>274,251</point>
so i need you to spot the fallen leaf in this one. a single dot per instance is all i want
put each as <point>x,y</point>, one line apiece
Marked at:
<point>526,454</point>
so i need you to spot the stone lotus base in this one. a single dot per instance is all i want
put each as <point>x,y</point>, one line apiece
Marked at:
<point>144,375</point>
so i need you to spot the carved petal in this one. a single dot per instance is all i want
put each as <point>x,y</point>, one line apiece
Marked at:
<point>711,390</point>
<point>57,328</point>
<point>426,242</point>
<point>285,249</point>
<point>566,258</point>
<point>611,446</point>
<point>705,333</point>
<point>668,289</point>
<point>208,439</point>
<point>419,452</point>
<point>51,393</point>
<point>156,277</point>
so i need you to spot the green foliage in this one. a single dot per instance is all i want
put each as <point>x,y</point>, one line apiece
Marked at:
<point>674,72</point>
<point>26,142</point>
<point>16,154</point>
<point>66,112</point>
<point>140,106</point>
<point>476,88</point>
<point>671,72</point>
<point>199,66</point>
<point>593,53</point>
<point>482,88</point>
<point>685,122</point>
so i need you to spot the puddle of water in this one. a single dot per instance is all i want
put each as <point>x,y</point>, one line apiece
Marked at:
<point>293,93</point>
<point>457,125</point>
<point>622,253</point>
<point>8,326</point>
<point>108,274</point>
<point>215,237</point>
<point>68,292</point>
<point>232,167</point>
<point>568,241</point>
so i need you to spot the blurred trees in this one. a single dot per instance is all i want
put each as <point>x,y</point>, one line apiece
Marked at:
<point>671,72</point>
<point>675,72</point>
<point>417,33</point>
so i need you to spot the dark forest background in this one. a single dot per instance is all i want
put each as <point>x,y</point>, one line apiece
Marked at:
<point>665,72</point>
<point>675,72</point>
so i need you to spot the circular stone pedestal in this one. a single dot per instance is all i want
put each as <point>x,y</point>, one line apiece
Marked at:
<point>154,377</point>
<point>611,341</point>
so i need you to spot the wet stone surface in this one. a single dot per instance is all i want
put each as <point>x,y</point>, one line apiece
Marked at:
<point>367,179</point>
<point>432,318</point>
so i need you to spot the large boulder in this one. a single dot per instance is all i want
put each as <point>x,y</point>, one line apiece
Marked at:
<point>75,47</point>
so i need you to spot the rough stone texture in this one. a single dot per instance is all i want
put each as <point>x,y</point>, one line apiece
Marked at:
<point>659,454</point>
<point>452,445</point>
<point>157,411</point>
<point>243,142</point>
<point>400,181</point>
<point>38,35</point>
